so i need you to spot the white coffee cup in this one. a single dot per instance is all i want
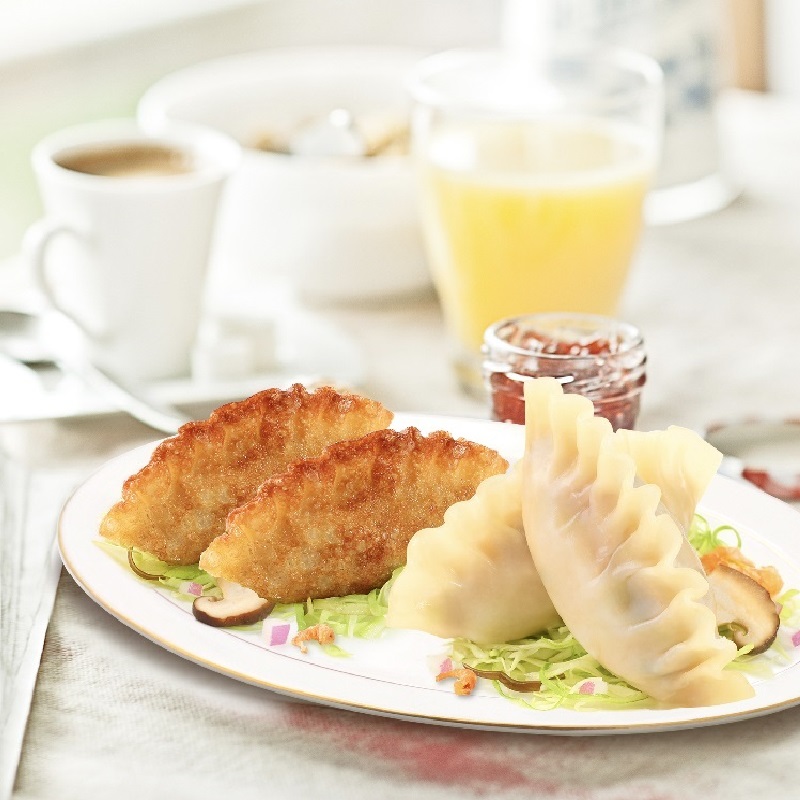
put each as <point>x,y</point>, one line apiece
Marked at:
<point>124,245</point>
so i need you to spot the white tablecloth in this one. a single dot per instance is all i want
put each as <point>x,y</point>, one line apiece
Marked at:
<point>717,299</point>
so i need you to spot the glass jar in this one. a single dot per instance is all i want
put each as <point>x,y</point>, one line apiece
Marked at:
<point>598,357</point>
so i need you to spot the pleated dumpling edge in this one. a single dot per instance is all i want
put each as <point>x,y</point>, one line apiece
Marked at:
<point>473,576</point>
<point>609,556</point>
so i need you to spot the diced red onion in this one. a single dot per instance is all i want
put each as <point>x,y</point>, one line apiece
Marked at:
<point>194,588</point>
<point>279,634</point>
<point>796,639</point>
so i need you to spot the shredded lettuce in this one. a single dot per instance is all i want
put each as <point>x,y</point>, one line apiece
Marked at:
<point>359,615</point>
<point>563,667</point>
<point>356,615</point>
<point>175,579</point>
<point>789,602</point>
<point>559,662</point>
<point>569,676</point>
<point>334,651</point>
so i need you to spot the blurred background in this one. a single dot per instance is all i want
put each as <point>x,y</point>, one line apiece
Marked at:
<point>66,61</point>
<point>70,61</point>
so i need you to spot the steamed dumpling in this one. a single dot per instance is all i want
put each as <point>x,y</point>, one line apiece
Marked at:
<point>676,460</point>
<point>681,464</point>
<point>609,555</point>
<point>474,577</point>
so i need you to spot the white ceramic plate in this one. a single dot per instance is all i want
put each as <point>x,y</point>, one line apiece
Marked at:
<point>391,675</point>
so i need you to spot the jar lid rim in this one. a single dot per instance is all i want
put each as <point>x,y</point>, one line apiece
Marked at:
<point>627,336</point>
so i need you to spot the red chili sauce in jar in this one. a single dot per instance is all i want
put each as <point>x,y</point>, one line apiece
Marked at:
<point>599,357</point>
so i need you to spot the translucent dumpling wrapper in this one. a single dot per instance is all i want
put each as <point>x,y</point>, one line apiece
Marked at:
<point>612,557</point>
<point>474,576</point>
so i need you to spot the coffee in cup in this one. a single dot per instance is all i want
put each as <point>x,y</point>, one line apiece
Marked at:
<point>128,160</point>
<point>124,245</point>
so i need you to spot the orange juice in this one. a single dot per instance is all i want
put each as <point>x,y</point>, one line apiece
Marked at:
<point>524,217</point>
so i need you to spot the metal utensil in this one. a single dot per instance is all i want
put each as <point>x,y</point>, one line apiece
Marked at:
<point>20,338</point>
<point>53,338</point>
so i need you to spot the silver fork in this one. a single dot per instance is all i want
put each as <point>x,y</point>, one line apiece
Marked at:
<point>53,336</point>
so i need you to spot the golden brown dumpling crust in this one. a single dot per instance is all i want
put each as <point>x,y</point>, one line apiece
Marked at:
<point>340,523</point>
<point>177,504</point>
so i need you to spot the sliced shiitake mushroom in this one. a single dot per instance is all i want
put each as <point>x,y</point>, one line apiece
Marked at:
<point>746,606</point>
<point>237,606</point>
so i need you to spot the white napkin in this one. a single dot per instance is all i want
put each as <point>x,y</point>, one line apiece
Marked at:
<point>30,501</point>
<point>41,463</point>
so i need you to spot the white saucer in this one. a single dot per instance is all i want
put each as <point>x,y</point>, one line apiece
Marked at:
<point>308,350</point>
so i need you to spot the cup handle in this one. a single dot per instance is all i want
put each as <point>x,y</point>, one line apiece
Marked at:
<point>35,244</point>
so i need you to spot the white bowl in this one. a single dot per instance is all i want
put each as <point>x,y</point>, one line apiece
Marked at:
<point>341,229</point>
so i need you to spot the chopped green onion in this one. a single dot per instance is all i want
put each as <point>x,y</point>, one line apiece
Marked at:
<point>703,538</point>
<point>173,579</point>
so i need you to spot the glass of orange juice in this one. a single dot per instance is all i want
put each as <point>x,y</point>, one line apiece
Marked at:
<point>532,175</point>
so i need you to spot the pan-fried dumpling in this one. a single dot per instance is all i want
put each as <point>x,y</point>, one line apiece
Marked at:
<point>607,551</point>
<point>177,504</point>
<point>340,523</point>
<point>473,576</point>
